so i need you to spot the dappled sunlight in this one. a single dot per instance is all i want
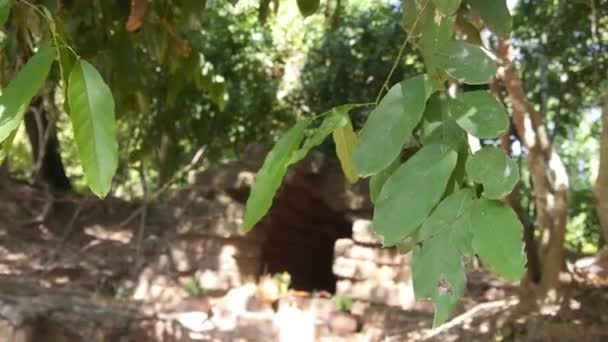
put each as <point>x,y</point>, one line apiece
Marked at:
<point>102,233</point>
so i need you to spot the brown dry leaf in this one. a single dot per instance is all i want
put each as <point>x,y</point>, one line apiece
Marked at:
<point>138,10</point>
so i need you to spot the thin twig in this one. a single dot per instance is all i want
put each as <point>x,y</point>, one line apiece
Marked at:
<point>142,220</point>
<point>44,133</point>
<point>49,200</point>
<point>401,51</point>
<point>197,156</point>
<point>70,227</point>
<point>66,234</point>
<point>35,111</point>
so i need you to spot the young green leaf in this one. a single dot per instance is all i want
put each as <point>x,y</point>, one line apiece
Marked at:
<point>465,62</point>
<point>271,175</point>
<point>438,274</point>
<point>439,127</point>
<point>407,245</point>
<point>468,32</point>
<point>376,181</point>
<point>25,85</point>
<point>480,114</point>
<point>333,119</point>
<point>447,7</point>
<point>6,145</point>
<point>495,15</point>
<point>308,7</point>
<point>450,210</point>
<point>497,238</point>
<point>435,35</point>
<point>66,60</point>
<point>497,172</point>
<point>346,139</point>
<point>92,117</point>
<point>452,217</point>
<point>412,191</point>
<point>390,125</point>
<point>5,10</point>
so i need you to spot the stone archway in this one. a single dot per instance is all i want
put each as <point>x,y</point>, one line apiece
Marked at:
<point>301,231</point>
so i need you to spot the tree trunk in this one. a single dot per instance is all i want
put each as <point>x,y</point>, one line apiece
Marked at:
<point>45,146</point>
<point>601,184</point>
<point>548,175</point>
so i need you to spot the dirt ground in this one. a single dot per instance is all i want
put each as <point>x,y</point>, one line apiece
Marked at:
<point>77,264</point>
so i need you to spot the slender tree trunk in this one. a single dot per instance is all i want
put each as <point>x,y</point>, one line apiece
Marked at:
<point>513,199</point>
<point>601,184</point>
<point>548,175</point>
<point>533,267</point>
<point>42,135</point>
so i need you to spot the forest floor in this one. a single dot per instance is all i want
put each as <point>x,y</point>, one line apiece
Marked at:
<point>47,263</point>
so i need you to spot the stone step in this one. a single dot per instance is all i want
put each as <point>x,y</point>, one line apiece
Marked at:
<point>400,294</point>
<point>383,256</point>
<point>357,269</point>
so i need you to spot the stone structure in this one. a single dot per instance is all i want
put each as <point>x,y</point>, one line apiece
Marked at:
<point>370,273</point>
<point>317,230</point>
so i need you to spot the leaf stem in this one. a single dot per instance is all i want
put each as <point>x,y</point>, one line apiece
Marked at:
<point>354,105</point>
<point>400,54</point>
<point>57,38</point>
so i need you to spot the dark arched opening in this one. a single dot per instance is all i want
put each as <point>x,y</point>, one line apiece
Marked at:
<point>300,235</point>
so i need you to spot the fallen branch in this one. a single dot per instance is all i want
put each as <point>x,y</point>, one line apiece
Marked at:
<point>460,319</point>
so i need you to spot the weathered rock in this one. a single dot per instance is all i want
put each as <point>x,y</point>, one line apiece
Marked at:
<point>364,233</point>
<point>195,252</point>
<point>384,256</point>
<point>228,274</point>
<point>357,269</point>
<point>342,323</point>
<point>219,216</point>
<point>388,319</point>
<point>389,293</point>
<point>159,290</point>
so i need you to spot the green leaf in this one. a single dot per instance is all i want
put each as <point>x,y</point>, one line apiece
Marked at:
<point>480,114</point>
<point>452,217</point>
<point>6,146</point>
<point>465,62</point>
<point>497,172</point>
<point>495,15</point>
<point>435,35</point>
<point>346,139</point>
<point>497,238</point>
<point>308,7</point>
<point>415,14</point>
<point>461,235</point>
<point>438,274</point>
<point>439,127</point>
<point>67,60</point>
<point>407,245</point>
<point>468,31</point>
<point>92,117</point>
<point>333,119</point>
<point>410,194</point>
<point>16,97</point>
<point>390,125</point>
<point>271,175</point>
<point>376,182</point>
<point>450,210</point>
<point>5,10</point>
<point>447,7</point>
